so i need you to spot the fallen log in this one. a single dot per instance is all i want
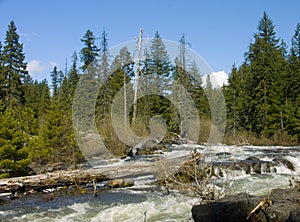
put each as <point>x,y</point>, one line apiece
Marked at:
<point>51,180</point>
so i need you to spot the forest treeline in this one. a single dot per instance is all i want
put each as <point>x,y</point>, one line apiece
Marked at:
<point>262,97</point>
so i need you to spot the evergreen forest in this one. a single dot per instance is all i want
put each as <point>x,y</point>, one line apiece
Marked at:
<point>36,130</point>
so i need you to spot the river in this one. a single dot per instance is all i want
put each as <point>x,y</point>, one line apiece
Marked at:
<point>147,202</point>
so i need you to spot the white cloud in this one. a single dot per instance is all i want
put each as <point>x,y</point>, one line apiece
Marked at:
<point>29,36</point>
<point>221,77</point>
<point>35,68</point>
<point>39,70</point>
<point>218,79</point>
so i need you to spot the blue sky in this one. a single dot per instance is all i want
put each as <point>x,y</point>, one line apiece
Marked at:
<point>219,31</point>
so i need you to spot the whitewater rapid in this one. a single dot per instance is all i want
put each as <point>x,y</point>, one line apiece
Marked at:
<point>147,202</point>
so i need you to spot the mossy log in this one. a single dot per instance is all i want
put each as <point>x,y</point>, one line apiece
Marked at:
<point>51,180</point>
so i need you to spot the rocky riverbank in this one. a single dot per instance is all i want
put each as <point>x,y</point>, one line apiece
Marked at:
<point>281,205</point>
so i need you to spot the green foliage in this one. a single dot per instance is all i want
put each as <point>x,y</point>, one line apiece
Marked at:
<point>13,69</point>
<point>13,145</point>
<point>267,69</point>
<point>89,53</point>
<point>57,78</point>
<point>236,101</point>
<point>292,111</point>
<point>156,75</point>
<point>262,92</point>
<point>69,84</point>
<point>106,92</point>
<point>262,97</point>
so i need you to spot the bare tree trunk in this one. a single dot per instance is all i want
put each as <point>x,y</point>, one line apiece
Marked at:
<point>125,99</point>
<point>137,77</point>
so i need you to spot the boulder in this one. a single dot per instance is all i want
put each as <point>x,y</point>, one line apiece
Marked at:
<point>120,183</point>
<point>285,162</point>
<point>254,163</point>
<point>285,207</point>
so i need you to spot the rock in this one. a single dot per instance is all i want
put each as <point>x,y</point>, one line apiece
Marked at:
<point>144,148</point>
<point>268,166</point>
<point>220,172</point>
<point>285,162</point>
<point>128,183</point>
<point>237,207</point>
<point>115,183</point>
<point>223,154</point>
<point>233,208</point>
<point>255,164</point>
<point>245,166</point>
<point>286,204</point>
<point>294,216</point>
<point>50,169</point>
<point>120,183</point>
<point>257,168</point>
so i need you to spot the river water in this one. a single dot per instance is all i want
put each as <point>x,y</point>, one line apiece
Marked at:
<point>147,202</point>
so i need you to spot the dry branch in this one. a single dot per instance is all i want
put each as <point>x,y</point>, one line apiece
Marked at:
<point>260,207</point>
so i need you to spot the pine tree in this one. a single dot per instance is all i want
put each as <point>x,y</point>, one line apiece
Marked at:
<point>145,73</point>
<point>244,99</point>
<point>29,92</point>
<point>196,90</point>
<point>32,106</point>
<point>62,106</point>
<point>104,57</point>
<point>122,74</point>
<point>266,61</point>
<point>69,84</point>
<point>86,89</point>
<point>159,78</point>
<point>233,98</point>
<point>160,65</point>
<point>190,79</point>
<point>2,75</point>
<point>57,137</point>
<point>293,88</point>
<point>90,52</point>
<point>13,150</point>
<point>84,95</point>
<point>74,74</point>
<point>14,66</point>
<point>122,67</point>
<point>43,102</point>
<point>55,78</point>
<point>208,88</point>
<point>120,90</point>
<point>122,71</point>
<point>106,93</point>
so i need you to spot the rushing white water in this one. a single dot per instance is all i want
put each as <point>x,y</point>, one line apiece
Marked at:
<point>147,202</point>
